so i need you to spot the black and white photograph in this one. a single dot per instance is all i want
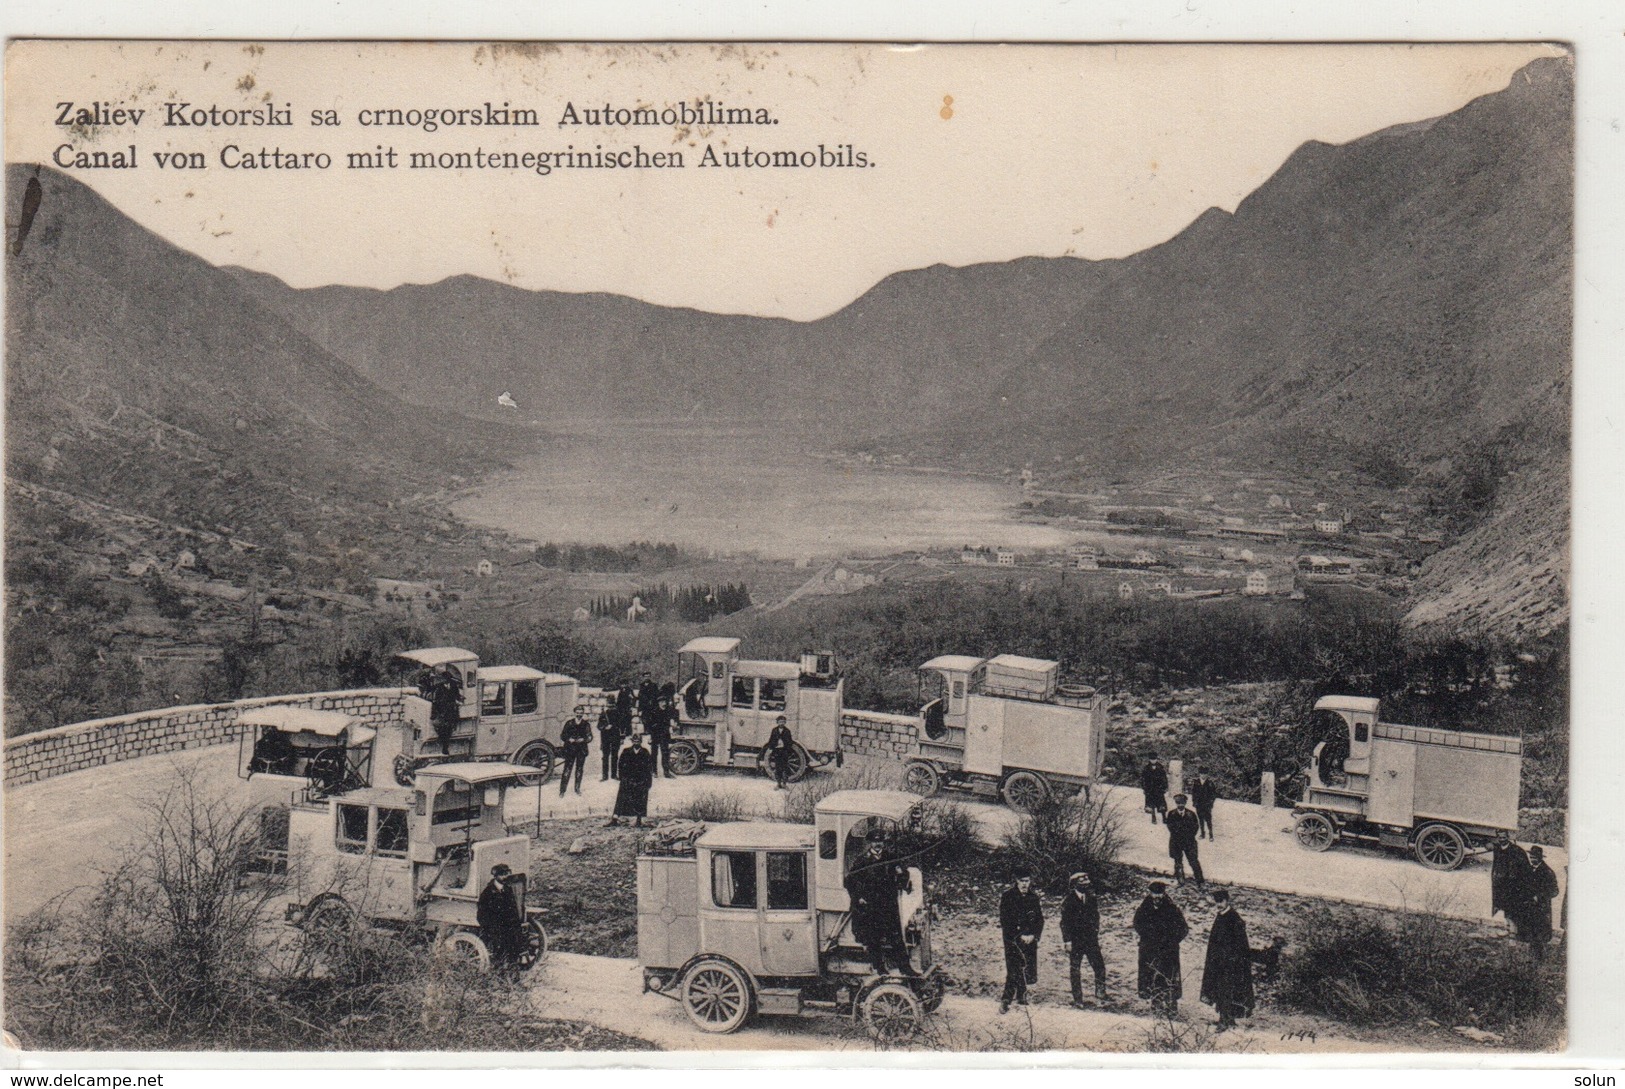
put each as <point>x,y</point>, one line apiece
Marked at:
<point>598,548</point>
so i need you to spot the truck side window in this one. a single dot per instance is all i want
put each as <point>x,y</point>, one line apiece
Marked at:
<point>1362,732</point>
<point>390,838</point>
<point>773,694</point>
<point>733,879</point>
<point>826,844</point>
<point>744,692</point>
<point>351,835</point>
<point>493,700</point>
<point>525,699</point>
<point>786,880</point>
<point>959,690</point>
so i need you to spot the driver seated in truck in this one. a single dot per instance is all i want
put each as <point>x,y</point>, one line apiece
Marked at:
<point>274,754</point>
<point>873,884</point>
<point>1333,753</point>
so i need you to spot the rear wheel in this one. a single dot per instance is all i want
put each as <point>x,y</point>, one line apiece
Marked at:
<point>892,1013</point>
<point>683,758</point>
<point>535,944</point>
<point>922,778</point>
<point>466,948</point>
<point>1439,846</point>
<point>716,996</point>
<point>1025,791</point>
<point>538,755</point>
<point>799,763</point>
<point>1315,832</point>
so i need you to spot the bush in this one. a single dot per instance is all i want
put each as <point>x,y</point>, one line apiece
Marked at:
<point>714,807</point>
<point>801,798</point>
<point>1062,837</point>
<point>1371,968</point>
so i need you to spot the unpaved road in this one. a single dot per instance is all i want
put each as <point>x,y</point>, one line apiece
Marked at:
<point>60,831</point>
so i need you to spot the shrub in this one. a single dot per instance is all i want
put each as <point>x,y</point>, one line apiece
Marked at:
<point>801,798</point>
<point>714,807</point>
<point>1371,968</point>
<point>1062,837</point>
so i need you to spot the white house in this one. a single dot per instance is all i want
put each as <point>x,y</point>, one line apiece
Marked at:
<point>1006,557</point>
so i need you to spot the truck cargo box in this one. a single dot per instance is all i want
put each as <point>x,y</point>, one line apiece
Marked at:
<point>1020,678</point>
<point>668,911</point>
<point>1004,734</point>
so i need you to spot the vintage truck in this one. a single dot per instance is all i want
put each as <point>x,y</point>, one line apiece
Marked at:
<point>1437,793</point>
<point>412,860</point>
<point>510,713</point>
<point>1003,726</point>
<point>727,706</point>
<point>753,918</point>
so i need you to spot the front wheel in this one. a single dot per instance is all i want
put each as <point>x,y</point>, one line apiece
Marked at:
<point>466,948</point>
<point>683,758</point>
<point>1315,832</point>
<point>1439,846</point>
<point>1025,791</point>
<point>892,1013</point>
<point>716,996</point>
<point>922,778</point>
<point>538,755</point>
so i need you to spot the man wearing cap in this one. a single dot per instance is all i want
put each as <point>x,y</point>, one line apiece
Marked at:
<point>1080,935</point>
<point>1534,917</point>
<point>501,918</point>
<point>1183,827</point>
<point>575,740</point>
<point>779,747</point>
<point>1161,927</point>
<point>1021,918</point>
<point>444,704</point>
<point>1227,975</point>
<point>1154,785</point>
<point>1204,792</point>
<point>872,884</point>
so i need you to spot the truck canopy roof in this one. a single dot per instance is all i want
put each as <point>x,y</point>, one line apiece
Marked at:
<point>710,644</point>
<point>394,797</point>
<point>775,671</point>
<point>435,656</point>
<point>894,805</point>
<point>1362,704</point>
<point>1016,661</point>
<point>476,771</point>
<point>962,663</point>
<point>516,673</point>
<point>755,835</point>
<point>295,720</point>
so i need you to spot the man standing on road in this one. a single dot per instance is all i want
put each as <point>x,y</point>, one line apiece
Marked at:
<point>609,745</point>
<point>501,919</point>
<point>1154,783</point>
<point>648,699</point>
<point>575,741</point>
<point>1534,918</point>
<point>1227,975</point>
<point>1161,927</point>
<point>659,727</point>
<point>780,746</point>
<point>1183,826</point>
<point>637,776</point>
<point>1509,876</point>
<point>872,885</point>
<point>1204,792</point>
<point>1080,935</point>
<point>1021,919</point>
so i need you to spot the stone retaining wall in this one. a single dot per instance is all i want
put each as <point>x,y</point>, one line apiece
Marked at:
<point>41,755</point>
<point>873,733</point>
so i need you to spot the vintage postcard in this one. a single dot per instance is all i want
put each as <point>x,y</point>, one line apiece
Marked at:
<point>576,548</point>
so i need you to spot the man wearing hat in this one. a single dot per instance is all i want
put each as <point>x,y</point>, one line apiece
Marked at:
<point>1161,927</point>
<point>1534,917</point>
<point>1227,974</point>
<point>872,885</point>
<point>1021,918</point>
<point>1183,826</point>
<point>501,918</point>
<point>1080,935</point>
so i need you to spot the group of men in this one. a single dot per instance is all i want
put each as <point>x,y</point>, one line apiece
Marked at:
<point>1522,887</point>
<point>633,766</point>
<point>1227,980</point>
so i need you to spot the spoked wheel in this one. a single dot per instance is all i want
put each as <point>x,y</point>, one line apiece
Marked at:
<point>466,948</point>
<point>892,1013</point>
<point>1439,847</point>
<point>405,769</point>
<point>1315,832</point>
<point>799,763</point>
<point>329,926</point>
<point>326,769</point>
<point>538,755</point>
<point>1025,791</point>
<point>921,778</point>
<point>683,758</point>
<point>535,945</point>
<point>716,996</point>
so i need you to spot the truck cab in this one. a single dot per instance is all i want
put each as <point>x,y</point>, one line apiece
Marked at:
<point>753,917</point>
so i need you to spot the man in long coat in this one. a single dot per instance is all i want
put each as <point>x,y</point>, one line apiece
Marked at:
<point>1080,935</point>
<point>1154,783</point>
<point>609,745</point>
<point>1183,826</point>
<point>1021,921</point>
<point>1227,976</point>
<point>637,776</point>
<point>1534,914</point>
<point>444,706</point>
<point>779,747</point>
<point>872,885</point>
<point>1204,792</point>
<point>659,727</point>
<point>501,918</point>
<point>1509,877</point>
<point>1161,927</point>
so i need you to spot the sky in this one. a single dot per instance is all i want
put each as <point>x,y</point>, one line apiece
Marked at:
<point>975,153</point>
